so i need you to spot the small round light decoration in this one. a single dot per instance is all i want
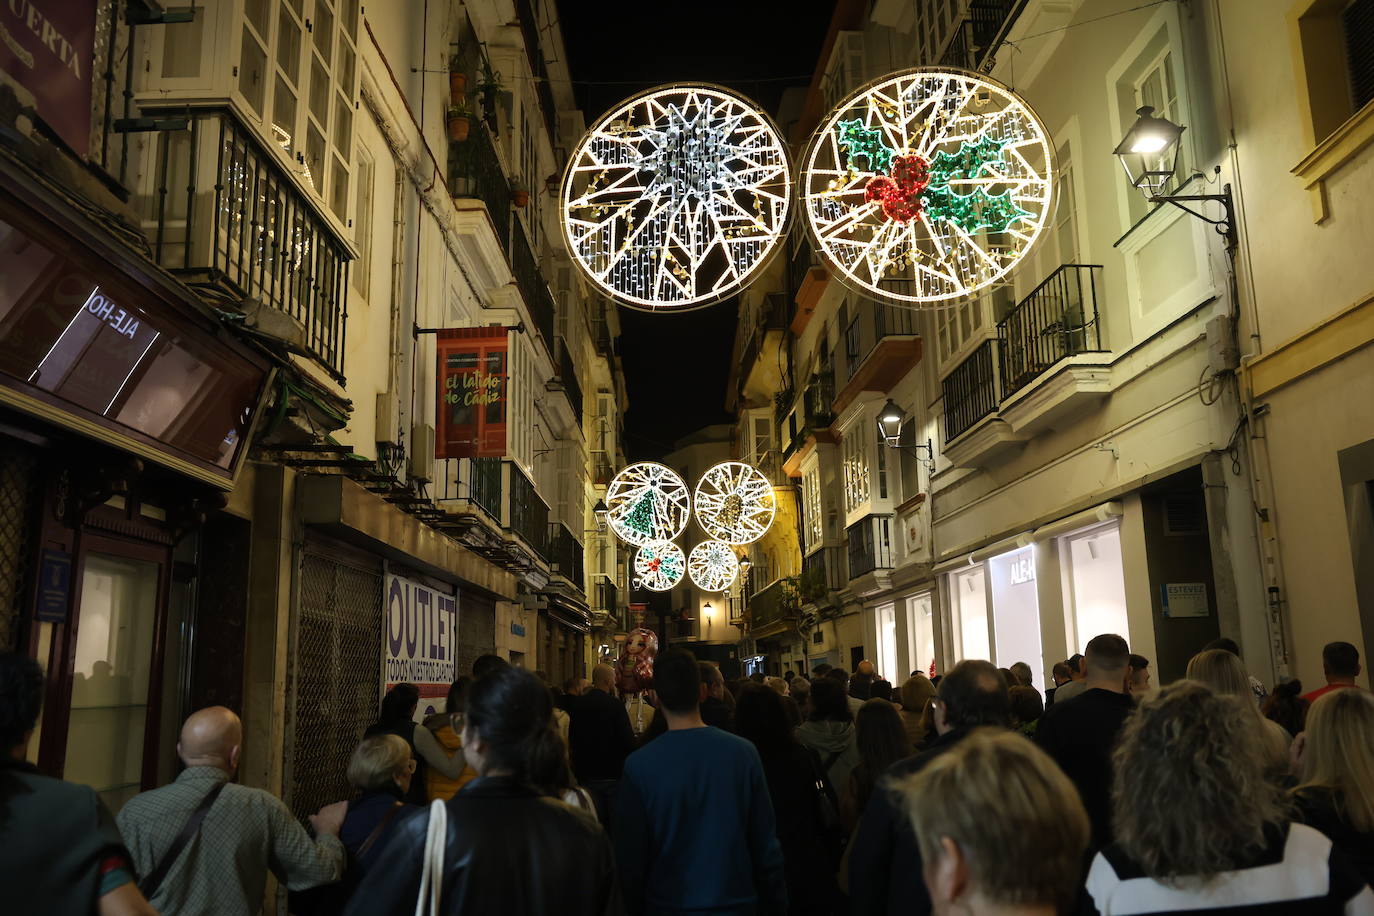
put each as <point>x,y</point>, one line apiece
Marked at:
<point>659,566</point>
<point>676,198</point>
<point>734,503</point>
<point>647,502</point>
<point>712,566</point>
<point>927,185</point>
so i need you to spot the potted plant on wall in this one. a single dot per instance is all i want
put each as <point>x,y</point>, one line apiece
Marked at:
<point>519,194</point>
<point>457,82</point>
<point>459,123</point>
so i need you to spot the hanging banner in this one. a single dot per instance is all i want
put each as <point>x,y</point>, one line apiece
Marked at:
<point>48,46</point>
<point>421,642</point>
<point>470,406</point>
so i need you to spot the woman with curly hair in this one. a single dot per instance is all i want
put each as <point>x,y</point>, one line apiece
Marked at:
<point>1199,825</point>
<point>1335,765</point>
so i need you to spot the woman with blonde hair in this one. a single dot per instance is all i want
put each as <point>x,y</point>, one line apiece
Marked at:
<point>1334,763</point>
<point>1200,826</point>
<point>1224,674</point>
<point>916,694</point>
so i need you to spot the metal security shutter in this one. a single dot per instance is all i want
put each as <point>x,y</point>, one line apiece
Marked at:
<point>476,629</point>
<point>336,677</point>
<point>1357,21</point>
<point>18,492</point>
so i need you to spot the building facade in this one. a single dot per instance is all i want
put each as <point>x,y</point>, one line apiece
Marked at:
<point>301,395</point>
<point>1092,446</point>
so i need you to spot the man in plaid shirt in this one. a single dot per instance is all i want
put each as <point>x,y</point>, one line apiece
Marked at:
<point>223,868</point>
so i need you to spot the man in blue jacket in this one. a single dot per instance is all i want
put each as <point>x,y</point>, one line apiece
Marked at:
<point>694,828</point>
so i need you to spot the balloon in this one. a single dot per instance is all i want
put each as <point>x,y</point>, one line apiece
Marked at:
<point>634,670</point>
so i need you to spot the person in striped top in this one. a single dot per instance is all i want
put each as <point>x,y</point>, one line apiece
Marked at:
<point>1199,828</point>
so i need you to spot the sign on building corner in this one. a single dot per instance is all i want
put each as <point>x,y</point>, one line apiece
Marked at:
<point>420,644</point>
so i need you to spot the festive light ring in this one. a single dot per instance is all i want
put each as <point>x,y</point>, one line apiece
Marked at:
<point>734,503</point>
<point>712,566</point>
<point>647,502</point>
<point>927,185</point>
<point>659,566</point>
<point>676,198</point>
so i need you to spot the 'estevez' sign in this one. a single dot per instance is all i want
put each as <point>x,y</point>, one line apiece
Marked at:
<point>421,640</point>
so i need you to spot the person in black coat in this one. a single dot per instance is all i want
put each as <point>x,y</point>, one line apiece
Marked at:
<point>885,865</point>
<point>804,803</point>
<point>599,740</point>
<point>511,848</point>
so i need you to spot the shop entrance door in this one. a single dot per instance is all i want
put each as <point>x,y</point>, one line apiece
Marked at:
<point>112,671</point>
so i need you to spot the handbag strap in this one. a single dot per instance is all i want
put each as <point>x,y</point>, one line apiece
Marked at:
<point>432,874</point>
<point>377,831</point>
<point>149,885</point>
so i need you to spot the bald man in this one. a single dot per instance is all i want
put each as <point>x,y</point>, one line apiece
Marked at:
<point>223,868</point>
<point>599,740</point>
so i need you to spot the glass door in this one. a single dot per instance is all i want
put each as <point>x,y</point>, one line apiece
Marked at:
<point>1097,584</point>
<point>969,602</point>
<point>1016,612</point>
<point>113,675</point>
<point>922,634</point>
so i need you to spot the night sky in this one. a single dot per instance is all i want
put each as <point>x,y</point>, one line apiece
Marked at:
<point>676,366</point>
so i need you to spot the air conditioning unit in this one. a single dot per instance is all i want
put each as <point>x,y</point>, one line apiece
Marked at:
<point>388,426</point>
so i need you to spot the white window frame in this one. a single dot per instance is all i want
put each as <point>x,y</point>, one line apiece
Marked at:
<point>813,524</point>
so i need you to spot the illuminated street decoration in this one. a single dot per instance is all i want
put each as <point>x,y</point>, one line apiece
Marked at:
<point>659,566</point>
<point>734,503</point>
<point>927,185</point>
<point>677,198</point>
<point>647,502</point>
<point>712,566</point>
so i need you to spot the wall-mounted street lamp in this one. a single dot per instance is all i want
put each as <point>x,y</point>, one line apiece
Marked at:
<point>1149,154</point>
<point>890,420</point>
<point>602,513</point>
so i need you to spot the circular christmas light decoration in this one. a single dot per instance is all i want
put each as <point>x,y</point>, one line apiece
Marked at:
<point>734,503</point>
<point>647,502</point>
<point>927,185</point>
<point>677,197</point>
<point>659,566</point>
<point>712,566</point>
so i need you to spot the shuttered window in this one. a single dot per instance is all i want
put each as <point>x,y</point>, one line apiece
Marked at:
<point>1357,21</point>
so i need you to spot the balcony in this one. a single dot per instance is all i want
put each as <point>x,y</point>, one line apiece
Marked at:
<point>1058,319</point>
<point>533,289</point>
<point>971,391</point>
<point>810,415</point>
<point>806,283</point>
<point>567,378</point>
<point>870,545</point>
<point>976,36</point>
<point>881,344</point>
<point>481,195</point>
<point>760,371</point>
<point>771,610</point>
<point>527,516</point>
<point>225,213</point>
<point>823,573</point>
<point>564,554</point>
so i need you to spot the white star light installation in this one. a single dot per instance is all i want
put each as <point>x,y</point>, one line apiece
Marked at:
<point>712,566</point>
<point>734,503</point>
<point>927,185</point>
<point>677,198</point>
<point>659,566</point>
<point>646,503</point>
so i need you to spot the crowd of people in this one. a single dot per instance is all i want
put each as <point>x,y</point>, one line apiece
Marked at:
<point>821,794</point>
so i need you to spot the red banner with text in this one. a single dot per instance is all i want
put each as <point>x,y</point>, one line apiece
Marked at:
<point>470,419</point>
<point>48,46</point>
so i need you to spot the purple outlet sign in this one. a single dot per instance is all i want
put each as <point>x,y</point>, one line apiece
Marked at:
<point>421,640</point>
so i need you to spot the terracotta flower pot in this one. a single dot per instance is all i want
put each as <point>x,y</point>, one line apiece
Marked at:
<point>458,128</point>
<point>457,85</point>
<point>520,198</point>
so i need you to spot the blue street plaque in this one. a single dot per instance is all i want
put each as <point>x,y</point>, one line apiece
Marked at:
<point>54,586</point>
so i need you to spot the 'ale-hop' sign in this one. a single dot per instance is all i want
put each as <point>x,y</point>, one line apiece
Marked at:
<point>470,404</point>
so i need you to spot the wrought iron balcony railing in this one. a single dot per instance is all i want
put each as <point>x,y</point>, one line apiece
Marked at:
<point>607,597</point>
<point>567,375</point>
<point>565,553</point>
<point>975,37</point>
<point>533,289</point>
<point>474,171</point>
<point>768,606</point>
<point>1057,320</point>
<point>527,515</point>
<point>223,210</point>
<point>486,484</point>
<point>869,323</point>
<point>971,391</point>
<point>870,545</point>
<point>825,567</point>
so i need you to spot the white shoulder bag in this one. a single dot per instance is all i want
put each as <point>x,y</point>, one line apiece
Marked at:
<point>432,877</point>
